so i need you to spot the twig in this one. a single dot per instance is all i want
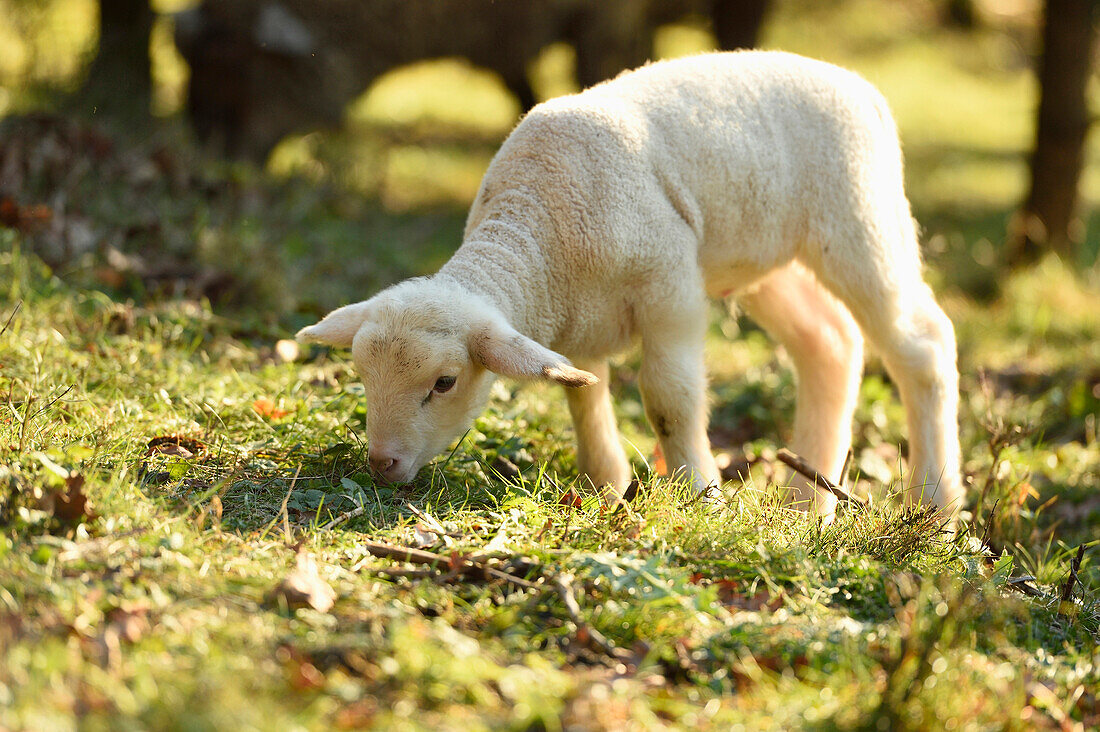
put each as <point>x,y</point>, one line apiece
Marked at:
<point>462,566</point>
<point>988,524</point>
<point>346,516</point>
<point>506,576</point>
<point>1020,584</point>
<point>405,554</point>
<point>799,465</point>
<point>1075,565</point>
<point>847,467</point>
<point>53,401</point>
<point>26,421</point>
<point>598,639</point>
<point>282,508</point>
<point>415,573</point>
<point>433,525</point>
<point>11,317</point>
<point>429,521</point>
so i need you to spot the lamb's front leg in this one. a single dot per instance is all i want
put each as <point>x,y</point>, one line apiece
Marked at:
<point>673,382</point>
<point>600,455</point>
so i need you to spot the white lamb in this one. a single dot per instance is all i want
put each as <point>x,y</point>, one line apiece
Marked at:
<point>611,215</point>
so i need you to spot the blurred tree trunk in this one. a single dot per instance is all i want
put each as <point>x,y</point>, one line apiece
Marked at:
<point>960,14</point>
<point>1047,218</point>
<point>737,22</point>
<point>119,82</point>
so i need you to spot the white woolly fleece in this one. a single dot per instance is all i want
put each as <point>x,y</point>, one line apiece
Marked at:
<point>609,216</point>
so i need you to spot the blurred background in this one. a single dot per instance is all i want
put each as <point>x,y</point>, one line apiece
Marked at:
<point>169,146</point>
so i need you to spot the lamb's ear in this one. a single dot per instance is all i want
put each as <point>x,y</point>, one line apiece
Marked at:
<point>509,353</point>
<point>338,328</point>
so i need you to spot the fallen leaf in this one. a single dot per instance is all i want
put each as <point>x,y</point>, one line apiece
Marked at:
<point>24,218</point>
<point>267,408</point>
<point>357,715</point>
<point>303,587</point>
<point>175,445</point>
<point>71,504</point>
<point>129,621</point>
<point>304,676</point>
<point>216,506</point>
<point>174,450</point>
<point>505,467</point>
<point>301,673</point>
<point>424,537</point>
<point>570,498</point>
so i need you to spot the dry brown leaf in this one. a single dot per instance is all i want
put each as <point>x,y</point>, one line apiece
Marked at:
<point>175,451</point>
<point>216,506</point>
<point>129,621</point>
<point>24,218</point>
<point>267,408</point>
<point>507,469</point>
<point>570,498</point>
<point>301,673</point>
<point>175,445</point>
<point>359,714</point>
<point>303,587</point>
<point>71,504</point>
<point>424,537</point>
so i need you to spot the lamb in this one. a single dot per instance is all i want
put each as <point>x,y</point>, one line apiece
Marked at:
<point>612,215</point>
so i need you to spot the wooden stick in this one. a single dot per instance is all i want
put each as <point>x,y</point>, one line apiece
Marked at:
<point>430,521</point>
<point>466,565</point>
<point>988,525</point>
<point>847,466</point>
<point>1074,567</point>
<point>598,639</point>
<point>346,516</point>
<point>405,554</point>
<point>416,573</point>
<point>799,465</point>
<point>11,317</point>
<point>1020,584</point>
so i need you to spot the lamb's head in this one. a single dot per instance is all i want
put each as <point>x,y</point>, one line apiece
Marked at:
<point>427,352</point>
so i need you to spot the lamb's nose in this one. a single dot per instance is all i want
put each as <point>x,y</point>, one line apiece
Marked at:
<point>384,465</point>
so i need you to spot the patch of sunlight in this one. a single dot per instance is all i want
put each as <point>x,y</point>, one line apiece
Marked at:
<point>554,72</point>
<point>421,176</point>
<point>1090,180</point>
<point>169,70</point>
<point>973,90</point>
<point>47,42</point>
<point>449,91</point>
<point>681,39</point>
<point>296,155</point>
<point>935,100</point>
<point>839,31</point>
<point>172,6</point>
<point>14,52</point>
<point>965,181</point>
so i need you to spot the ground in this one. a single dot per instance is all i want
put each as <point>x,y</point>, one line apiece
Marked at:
<point>188,528</point>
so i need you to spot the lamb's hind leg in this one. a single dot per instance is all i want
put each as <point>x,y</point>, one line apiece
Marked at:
<point>600,455</point>
<point>826,346</point>
<point>877,274</point>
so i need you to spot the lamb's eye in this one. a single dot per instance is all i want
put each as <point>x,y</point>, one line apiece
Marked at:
<point>443,384</point>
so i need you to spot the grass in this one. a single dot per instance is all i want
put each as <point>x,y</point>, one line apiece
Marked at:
<point>162,610</point>
<point>149,384</point>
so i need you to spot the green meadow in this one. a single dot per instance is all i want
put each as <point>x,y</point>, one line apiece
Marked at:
<point>189,532</point>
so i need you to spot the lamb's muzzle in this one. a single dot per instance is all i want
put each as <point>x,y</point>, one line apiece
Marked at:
<point>610,216</point>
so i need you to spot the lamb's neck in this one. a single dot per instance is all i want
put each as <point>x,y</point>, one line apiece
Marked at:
<point>501,261</point>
